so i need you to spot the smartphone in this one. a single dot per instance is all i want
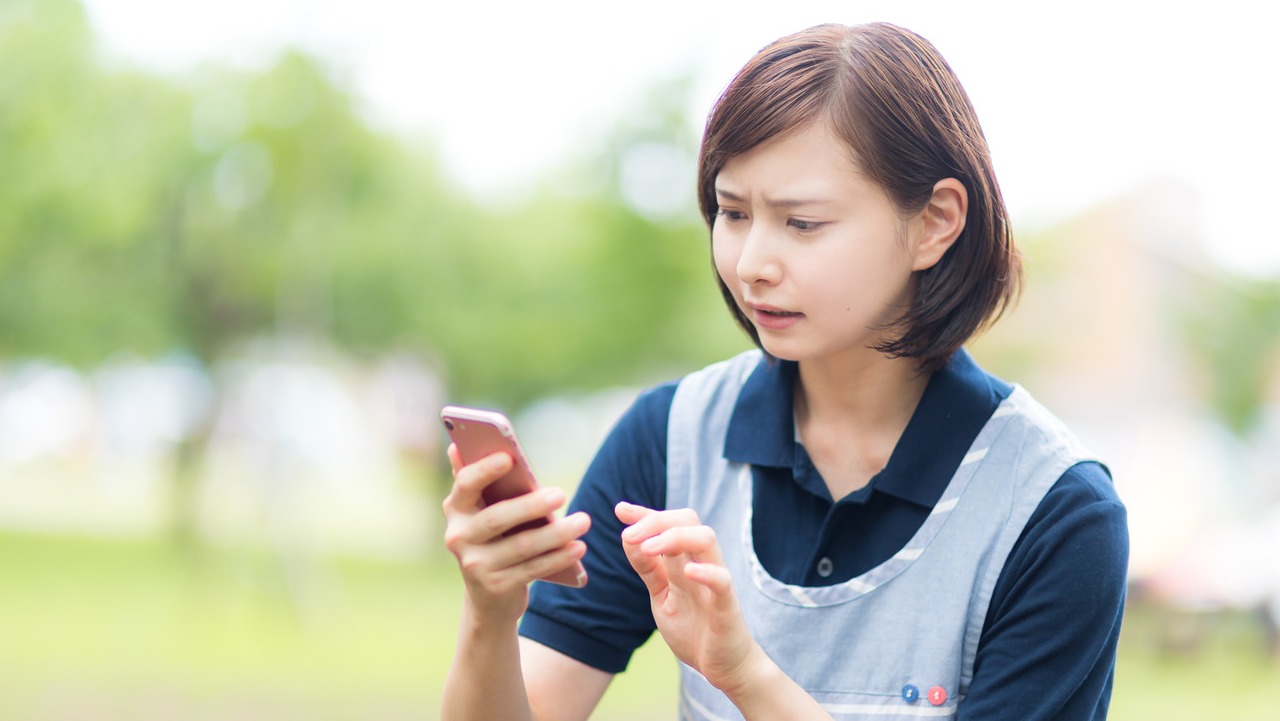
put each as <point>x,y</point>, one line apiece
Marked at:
<point>478,433</point>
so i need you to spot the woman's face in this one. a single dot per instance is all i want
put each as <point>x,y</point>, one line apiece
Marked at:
<point>816,255</point>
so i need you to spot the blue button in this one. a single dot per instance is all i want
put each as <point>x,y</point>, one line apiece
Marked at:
<point>910,693</point>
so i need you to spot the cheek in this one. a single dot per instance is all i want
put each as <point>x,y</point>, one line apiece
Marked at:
<point>725,258</point>
<point>866,273</point>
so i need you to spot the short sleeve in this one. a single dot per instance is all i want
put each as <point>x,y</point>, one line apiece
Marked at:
<point>603,623</point>
<point>1048,647</point>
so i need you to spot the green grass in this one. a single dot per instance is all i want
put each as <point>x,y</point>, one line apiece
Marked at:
<point>93,629</point>
<point>1194,666</point>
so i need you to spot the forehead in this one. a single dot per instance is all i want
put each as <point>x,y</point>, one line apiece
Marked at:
<point>811,157</point>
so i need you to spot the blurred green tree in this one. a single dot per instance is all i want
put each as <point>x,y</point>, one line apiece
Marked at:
<point>601,276</point>
<point>154,213</point>
<point>86,159</point>
<point>1233,331</point>
<point>149,213</point>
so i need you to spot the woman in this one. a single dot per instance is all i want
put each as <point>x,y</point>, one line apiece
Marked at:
<point>854,520</point>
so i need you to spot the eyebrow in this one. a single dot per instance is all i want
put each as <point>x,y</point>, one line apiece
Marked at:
<point>771,202</point>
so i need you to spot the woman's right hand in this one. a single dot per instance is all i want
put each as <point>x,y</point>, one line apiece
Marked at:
<point>498,569</point>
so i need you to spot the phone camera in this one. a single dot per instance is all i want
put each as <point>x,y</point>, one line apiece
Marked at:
<point>448,425</point>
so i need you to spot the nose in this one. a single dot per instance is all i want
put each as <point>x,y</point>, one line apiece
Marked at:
<point>758,261</point>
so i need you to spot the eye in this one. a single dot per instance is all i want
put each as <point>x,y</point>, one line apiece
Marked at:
<point>731,215</point>
<point>804,226</point>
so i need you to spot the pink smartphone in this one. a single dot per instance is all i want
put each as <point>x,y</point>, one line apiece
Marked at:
<point>478,433</point>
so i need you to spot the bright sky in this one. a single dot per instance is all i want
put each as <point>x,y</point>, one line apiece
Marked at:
<point>1080,102</point>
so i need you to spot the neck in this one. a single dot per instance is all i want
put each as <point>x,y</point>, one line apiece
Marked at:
<point>870,392</point>
<point>851,415</point>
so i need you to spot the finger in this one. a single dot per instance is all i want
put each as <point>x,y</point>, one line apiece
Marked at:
<point>712,586</point>
<point>557,559</point>
<point>640,561</point>
<point>697,542</point>
<point>648,568</point>
<point>520,547</point>
<point>658,522</point>
<point>513,556</point>
<point>484,471</point>
<point>718,585</point>
<point>470,522</point>
<point>455,459</point>
<point>645,566</point>
<point>537,507</point>
<point>469,481</point>
<point>482,573</point>
<point>715,577</point>
<point>544,551</point>
<point>629,513</point>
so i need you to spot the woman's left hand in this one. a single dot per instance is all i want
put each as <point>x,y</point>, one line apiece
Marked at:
<point>691,593</point>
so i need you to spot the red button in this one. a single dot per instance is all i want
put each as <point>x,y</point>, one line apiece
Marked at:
<point>937,695</point>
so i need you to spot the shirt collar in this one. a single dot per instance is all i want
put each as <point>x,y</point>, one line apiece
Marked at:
<point>956,404</point>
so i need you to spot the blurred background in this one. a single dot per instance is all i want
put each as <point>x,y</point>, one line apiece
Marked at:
<point>248,249</point>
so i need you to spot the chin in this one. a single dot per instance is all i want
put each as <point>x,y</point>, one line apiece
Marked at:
<point>798,352</point>
<point>782,351</point>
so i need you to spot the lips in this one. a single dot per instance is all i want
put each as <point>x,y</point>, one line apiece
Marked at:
<point>770,317</point>
<point>776,313</point>
<point>768,309</point>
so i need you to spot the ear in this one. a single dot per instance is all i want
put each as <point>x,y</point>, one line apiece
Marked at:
<point>941,222</point>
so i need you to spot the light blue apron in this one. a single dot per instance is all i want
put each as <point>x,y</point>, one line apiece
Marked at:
<point>899,640</point>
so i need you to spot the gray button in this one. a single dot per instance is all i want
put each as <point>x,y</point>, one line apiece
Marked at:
<point>825,567</point>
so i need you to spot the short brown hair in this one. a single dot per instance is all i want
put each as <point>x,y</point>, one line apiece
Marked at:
<point>895,101</point>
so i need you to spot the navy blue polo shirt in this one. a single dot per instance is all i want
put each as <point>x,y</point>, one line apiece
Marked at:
<point>1049,640</point>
